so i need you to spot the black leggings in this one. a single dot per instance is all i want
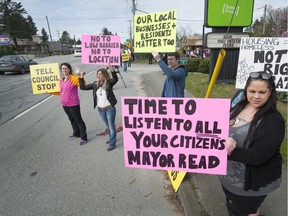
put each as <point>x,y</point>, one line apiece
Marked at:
<point>242,205</point>
<point>78,125</point>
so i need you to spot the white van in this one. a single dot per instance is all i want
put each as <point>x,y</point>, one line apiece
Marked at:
<point>77,53</point>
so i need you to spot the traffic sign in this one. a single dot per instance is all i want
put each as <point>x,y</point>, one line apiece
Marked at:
<point>183,61</point>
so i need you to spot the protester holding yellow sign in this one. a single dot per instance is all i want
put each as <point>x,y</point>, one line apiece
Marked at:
<point>71,103</point>
<point>174,86</point>
<point>125,58</point>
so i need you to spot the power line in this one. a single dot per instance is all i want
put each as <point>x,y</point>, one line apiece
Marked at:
<point>91,18</point>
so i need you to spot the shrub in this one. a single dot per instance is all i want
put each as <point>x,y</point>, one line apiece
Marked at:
<point>282,96</point>
<point>193,64</point>
<point>6,51</point>
<point>204,65</point>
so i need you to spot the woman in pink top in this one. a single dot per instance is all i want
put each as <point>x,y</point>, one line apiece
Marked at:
<point>71,103</point>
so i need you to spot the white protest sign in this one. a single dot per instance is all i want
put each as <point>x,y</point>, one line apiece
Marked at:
<point>263,54</point>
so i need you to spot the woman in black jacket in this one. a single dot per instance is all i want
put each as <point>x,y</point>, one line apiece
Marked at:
<point>254,162</point>
<point>105,100</point>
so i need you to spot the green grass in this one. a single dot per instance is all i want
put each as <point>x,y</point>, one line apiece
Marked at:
<point>197,85</point>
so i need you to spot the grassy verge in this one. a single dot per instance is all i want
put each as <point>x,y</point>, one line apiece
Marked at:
<point>197,85</point>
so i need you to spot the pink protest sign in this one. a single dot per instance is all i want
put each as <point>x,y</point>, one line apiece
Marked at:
<point>181,134</point>
<point>100,49</point>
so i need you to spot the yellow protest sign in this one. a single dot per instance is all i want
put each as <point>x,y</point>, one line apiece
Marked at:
<point>125,56</point>
<point>155,31</point>
<point>176,178</point>
<point>45,78</point>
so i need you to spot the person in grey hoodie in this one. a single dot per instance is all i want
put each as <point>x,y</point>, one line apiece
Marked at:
<point>174,85</point>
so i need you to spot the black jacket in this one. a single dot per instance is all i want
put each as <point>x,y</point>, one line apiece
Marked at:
<point>110,94</point>
<point>262,158</point>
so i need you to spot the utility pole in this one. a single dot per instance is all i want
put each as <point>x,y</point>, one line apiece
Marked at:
<point>130,30</point>
<point>133,12</point>
<point>49,28</point>
<point>264,19</point>
<point>58,33</point>
<point>51,45</point>
<point>134,7</point>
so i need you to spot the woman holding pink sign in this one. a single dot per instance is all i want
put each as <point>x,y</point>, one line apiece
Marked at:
<point>105,100</point>
<point>254,161</point>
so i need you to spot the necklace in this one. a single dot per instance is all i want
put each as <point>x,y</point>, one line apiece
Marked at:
<point>100,91</point>
<point>239,119</point>
<point>245,118</point>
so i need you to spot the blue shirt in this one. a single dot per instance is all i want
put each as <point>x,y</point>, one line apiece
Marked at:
<point>174,85</point>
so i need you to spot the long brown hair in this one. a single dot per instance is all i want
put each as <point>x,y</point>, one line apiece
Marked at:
<point>106,81</point>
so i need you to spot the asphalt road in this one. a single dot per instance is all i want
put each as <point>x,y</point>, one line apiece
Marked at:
<point>16,92</point>
<point>16,95</point>
<point>44,173</point>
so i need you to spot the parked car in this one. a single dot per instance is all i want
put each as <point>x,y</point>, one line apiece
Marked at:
<point>15,63</point>
<point>77,53</point>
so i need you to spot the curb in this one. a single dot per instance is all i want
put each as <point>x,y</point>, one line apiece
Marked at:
<point>188,198</point>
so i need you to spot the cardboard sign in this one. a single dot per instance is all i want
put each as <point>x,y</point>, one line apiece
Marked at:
<point>155,31</point>
<point>179,134</point>
<point>125,56</point>
<point>176,178</point>
<point>101,49</point>
<point>263,54</point>
<point>45,78</point>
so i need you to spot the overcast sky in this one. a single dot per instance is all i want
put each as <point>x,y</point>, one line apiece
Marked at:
<point>90,16</point>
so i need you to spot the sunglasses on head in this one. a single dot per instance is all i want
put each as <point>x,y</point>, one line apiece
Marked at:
<point>263,75</point>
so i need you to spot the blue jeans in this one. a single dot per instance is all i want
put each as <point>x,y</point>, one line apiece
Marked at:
<point>124,64</point>
<point>108,116</point>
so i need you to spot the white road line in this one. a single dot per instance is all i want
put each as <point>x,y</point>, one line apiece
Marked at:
<point>16,117</point>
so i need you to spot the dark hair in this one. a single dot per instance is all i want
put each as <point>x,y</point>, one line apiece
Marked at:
<point>68,66</point>
<point>176,54</point>
<point>269,106</point>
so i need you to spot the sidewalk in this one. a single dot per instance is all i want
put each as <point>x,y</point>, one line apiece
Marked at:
<point>202,195</point>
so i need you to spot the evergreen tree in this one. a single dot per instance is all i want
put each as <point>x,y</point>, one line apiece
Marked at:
<point>45,36</point>
<point>78,42</point>
<point>105,31</point>
<point>31,26</point>
<point>14,23</point>
<point>65,37</point>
